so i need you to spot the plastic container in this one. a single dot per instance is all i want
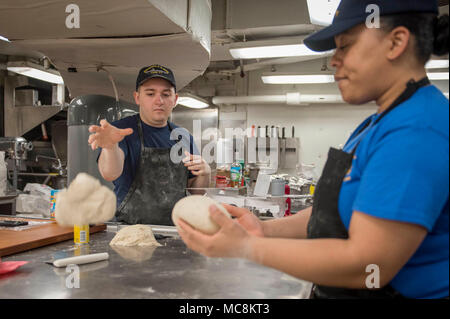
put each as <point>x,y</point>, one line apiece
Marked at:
<point>242,179</point>
<point>53,202</point>
<point>236,172</point>
<point>287,191</point>
<point>3,174</point>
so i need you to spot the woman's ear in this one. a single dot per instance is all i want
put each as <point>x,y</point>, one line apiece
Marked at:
<point>399,41</point>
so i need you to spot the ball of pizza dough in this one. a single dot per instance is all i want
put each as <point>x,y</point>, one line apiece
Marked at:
<point>135,235</point>
<point>194,210</point>
<point>85,201</point>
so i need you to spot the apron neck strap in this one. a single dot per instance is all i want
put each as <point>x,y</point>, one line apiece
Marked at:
<point>411,88</point>
<point>140,131</point>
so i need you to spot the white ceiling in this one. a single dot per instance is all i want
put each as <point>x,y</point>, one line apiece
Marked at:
<point>249,22</point>
<point>123,59</point>
<point>123,36</point>
<point>46,19</point>
<point>120,36</point>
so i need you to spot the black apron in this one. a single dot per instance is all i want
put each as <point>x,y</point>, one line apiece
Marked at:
<point>325,221</point>
<point>157,186</point>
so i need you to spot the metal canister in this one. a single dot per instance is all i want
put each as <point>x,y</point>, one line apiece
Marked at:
<point>81,234</point>
<point>277,187</point>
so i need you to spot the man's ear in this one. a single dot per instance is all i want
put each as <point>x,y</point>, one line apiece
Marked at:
<point>399,41</point>
<point>136,97</point>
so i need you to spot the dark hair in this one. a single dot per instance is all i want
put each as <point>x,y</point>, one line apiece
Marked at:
<point>430,32</point>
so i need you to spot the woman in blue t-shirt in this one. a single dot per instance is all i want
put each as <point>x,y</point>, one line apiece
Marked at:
<point>379,225</point>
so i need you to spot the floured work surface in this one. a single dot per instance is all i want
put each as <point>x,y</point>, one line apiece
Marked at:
<point>12,242</point>
<point>171,271</point>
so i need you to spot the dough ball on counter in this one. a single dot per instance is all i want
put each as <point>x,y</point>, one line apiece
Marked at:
<point>135,235</point>
<point>135,253</point>
<point>194,210</point>
<point>85,201</point>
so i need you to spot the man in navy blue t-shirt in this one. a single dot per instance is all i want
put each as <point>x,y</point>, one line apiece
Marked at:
<point>150,160</point>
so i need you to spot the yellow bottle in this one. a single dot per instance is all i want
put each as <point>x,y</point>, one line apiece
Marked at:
<point>81,234</point>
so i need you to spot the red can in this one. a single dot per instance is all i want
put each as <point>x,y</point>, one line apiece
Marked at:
<point>221,181</point>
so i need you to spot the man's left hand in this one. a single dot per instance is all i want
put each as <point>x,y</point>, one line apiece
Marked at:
<point>196,165</point>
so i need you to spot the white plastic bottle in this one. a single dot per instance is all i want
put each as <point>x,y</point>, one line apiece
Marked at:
<point>3,174</point>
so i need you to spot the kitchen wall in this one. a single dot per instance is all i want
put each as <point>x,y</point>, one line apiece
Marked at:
<point>319,126</point>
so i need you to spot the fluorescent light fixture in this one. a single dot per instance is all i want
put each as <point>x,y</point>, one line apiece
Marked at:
<point>437,64</point>
<point>298,79</point>
<point>35,71</point>
<point>321,12</point>
<point>436,76</point>
<point>4,39</point>
<point>325,78</point>
<point>273,51</point>
<point>192,102</point>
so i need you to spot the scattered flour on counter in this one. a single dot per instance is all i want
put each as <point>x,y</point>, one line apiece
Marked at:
<point>136,235</point>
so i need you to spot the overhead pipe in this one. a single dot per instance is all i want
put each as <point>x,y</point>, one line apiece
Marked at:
<point>116,94</point>
<point>289,99</point>
<point>269,62</point>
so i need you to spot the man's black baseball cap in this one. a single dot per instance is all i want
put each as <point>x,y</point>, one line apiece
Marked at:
<point>350,13</point>
<point>155,71</point>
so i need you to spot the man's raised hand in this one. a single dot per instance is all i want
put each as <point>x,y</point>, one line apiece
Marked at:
<point>106,135</point>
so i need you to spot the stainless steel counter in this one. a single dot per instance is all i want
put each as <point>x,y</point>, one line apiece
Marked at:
<point>170,271</point>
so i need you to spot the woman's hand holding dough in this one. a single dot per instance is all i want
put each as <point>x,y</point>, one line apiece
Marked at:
<point>207,227</point>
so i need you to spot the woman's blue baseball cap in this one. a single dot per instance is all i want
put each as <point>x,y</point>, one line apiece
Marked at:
<point>350,13</point>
